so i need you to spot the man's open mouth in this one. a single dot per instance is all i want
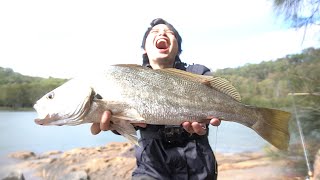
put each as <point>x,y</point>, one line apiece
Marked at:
<point>162,43</point>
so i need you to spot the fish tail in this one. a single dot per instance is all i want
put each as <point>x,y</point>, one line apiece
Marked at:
<point>274,127</point>
<point>125,129</point>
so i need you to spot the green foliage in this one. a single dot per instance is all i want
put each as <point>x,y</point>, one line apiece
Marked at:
<point>298,13</point>
<point>18,91</point>
<point>269,83</point>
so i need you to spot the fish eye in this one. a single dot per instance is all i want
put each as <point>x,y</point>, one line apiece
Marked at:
<point>50,95</point>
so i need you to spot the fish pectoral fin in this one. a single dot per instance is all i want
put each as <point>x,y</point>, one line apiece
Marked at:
<point>125,128</point>
<point>218,83</point>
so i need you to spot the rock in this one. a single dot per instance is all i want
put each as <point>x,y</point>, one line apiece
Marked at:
<point>116,161</point>
<point>23,155</point>
<point>51,153</point>
<point>316,167</point>
<point>77,175</point>
<point>14,175</point>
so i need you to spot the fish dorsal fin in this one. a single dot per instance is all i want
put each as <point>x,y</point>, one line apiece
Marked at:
<point>218,83</point>
<point>224,86</point>
<point>129,65</point>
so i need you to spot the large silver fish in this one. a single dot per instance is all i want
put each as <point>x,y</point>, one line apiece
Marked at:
<point>135,94</point>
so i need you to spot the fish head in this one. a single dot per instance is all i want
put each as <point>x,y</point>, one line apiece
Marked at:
<point>65,105</point>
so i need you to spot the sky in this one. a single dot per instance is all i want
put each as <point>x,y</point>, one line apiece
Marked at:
<point>67,38</point>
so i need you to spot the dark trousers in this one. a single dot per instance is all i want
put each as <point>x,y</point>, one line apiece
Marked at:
<point>190,160</point>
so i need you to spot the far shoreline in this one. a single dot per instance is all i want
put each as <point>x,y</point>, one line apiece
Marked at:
<point>12,109</point>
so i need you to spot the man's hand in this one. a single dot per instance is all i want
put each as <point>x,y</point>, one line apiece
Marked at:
<point>200,128</point>
<point>104,124</point>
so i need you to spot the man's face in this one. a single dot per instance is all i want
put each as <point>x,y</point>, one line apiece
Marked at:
<point>161,46</point>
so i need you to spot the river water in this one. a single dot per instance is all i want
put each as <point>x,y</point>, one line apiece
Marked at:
<point>18,132</point>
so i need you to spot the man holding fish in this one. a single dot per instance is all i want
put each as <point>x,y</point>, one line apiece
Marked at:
<point>169,103</point>
<point>167,151</point>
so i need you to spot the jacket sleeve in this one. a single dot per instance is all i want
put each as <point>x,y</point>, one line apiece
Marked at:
<point>199,69</point>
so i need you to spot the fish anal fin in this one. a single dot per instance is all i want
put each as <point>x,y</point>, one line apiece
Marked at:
<point>218,83</point>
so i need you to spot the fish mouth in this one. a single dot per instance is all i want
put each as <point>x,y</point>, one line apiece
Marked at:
<point>47,122</point>
<point>44,121</point>
<point>39,121</point>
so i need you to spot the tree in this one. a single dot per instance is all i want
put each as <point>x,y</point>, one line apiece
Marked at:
<point>300,13</point>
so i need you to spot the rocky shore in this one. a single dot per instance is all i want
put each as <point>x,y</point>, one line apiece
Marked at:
<point>116,161</point>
